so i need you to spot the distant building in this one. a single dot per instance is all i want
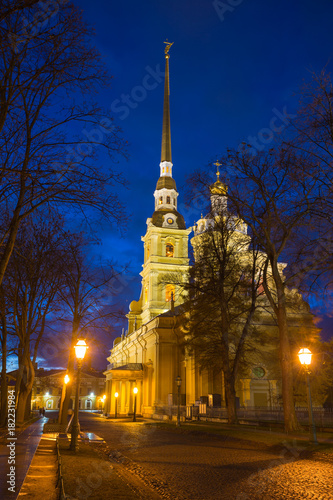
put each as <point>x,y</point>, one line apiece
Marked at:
<point>47,388</point>
<point>148,356</point>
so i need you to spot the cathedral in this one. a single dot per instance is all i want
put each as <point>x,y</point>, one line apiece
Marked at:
<point>148,357</point>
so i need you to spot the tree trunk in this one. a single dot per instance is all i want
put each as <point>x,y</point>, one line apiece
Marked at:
<point>63,412</point>
<point>4,405</point>
<point>4,384</point>
<point>27,380</point>
<point>290,419</point>
<point>4,402</point>
<point>230,396</point>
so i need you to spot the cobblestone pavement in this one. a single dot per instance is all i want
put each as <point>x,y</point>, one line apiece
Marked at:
<point>293,479</point>
<point>197,466</point>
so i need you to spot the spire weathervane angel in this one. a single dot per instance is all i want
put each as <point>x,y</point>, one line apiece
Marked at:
<point>167,48</point>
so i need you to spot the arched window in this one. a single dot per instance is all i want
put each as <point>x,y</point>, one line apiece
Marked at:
<point>169,292</point>
<point>161,200</point>
<point>146,295</point>
<point>169,250</point>
<point>167,170</point>
<point>148,251</point>
<point>168,199</point>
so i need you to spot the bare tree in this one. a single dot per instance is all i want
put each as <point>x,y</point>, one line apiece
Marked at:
<point>224,289</point>
<point>52,134</point>
<point>312,141</point>
<point>7,348</point>
<point>8,7</point>
<point>276,200</point>
<point>85,301</point>
<point>31,284</point>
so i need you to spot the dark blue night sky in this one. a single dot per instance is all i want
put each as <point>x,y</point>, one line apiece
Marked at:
<point>232,70</point>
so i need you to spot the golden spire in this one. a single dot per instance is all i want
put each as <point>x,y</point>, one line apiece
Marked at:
<point>218,187</point>
<point>166,131</point>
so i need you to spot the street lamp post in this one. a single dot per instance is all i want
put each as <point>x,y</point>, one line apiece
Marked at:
<point>179,383</point>
<point>116,403</point>
<point>80,351</point>
<point>305,355</point>
<point>135,390</point>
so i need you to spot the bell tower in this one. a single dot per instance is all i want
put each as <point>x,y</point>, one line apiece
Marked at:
<point>166,239</point>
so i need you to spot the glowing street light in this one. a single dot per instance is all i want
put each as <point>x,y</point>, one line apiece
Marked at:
<point>80,351</point>
<point>67,379</point>
<point>305,356</point>
<point>135,390</point>
<point>116,404</point>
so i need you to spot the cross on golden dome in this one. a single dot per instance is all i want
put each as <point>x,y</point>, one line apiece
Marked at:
<point>218,164</point>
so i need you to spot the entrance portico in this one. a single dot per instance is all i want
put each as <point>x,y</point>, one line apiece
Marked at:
<point>122,380</point>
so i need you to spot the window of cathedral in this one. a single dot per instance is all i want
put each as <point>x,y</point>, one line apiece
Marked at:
<point>168,199</point>
<point>258,372</point>
<point>169,249</point>
<point>167,170</point>
<point>169,293</point>
<point>146,295</point>
<point>161,200</point>
<point>148,251</point>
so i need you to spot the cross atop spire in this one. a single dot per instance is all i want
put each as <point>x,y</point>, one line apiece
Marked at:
<point>218,164</point>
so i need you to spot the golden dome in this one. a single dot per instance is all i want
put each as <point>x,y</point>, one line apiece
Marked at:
<point>219,188</point>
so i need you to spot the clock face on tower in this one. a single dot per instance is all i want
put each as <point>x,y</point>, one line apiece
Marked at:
<point>169,220</point>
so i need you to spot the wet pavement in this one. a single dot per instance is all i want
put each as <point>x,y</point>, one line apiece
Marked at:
<point>19,449</point>
<point>195,465</point>
<point>163,462</point>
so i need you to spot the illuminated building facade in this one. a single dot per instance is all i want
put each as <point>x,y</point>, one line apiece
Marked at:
<point>47,389</point>
<point>148,356</point>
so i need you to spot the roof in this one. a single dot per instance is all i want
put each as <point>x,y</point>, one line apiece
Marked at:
<point>158,217</point>
<point>130,366</point>
<point>41,372</point>
<point>177,311</point>
<point>166,182</point>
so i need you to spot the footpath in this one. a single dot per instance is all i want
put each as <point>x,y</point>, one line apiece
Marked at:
<point>41,480</point>
<point>18,450</point>
<point>81,475</point>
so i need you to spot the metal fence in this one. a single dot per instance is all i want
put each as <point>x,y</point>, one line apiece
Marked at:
<point>323,416</point>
